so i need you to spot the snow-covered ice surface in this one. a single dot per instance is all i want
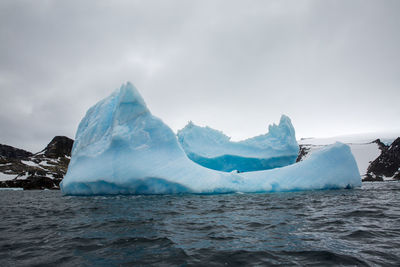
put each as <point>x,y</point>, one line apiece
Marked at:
<point>30,163</point>
<point>362,146</point>
<point>364,155</point>
<point>121,148</point>
<point>11,188</point>
<point>213,149</point>
<point>385,137</point>
<point>22,176</point>
<point>46,163</point>
<point>388,178</point>
<point>6,177</point>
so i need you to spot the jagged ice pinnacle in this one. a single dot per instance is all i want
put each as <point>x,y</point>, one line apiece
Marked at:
<point>213,149</point>
<point>121,148</point>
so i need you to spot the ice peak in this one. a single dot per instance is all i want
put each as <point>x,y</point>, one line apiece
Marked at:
<point>284,120</point>
<point>129,94</point>
<point>130,104</point>
<point>284,130</point>
<point>190,124</point>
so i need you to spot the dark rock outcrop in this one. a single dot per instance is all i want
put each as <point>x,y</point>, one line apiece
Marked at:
<point>380,144</point>
<point>43,170</point>
<point>60,146</point>
<point>303,151</point>
<point>32,183</point>
<point>387,164</point>
<point>10,152</point>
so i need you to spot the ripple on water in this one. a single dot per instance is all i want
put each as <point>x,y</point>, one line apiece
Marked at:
<point>338,227</point>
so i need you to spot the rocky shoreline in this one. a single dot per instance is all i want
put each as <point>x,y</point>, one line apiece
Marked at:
<point>46,169</point>
<point>387,164</point>
<point>43,170</point>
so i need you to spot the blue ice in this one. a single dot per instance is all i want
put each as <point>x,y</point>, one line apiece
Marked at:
<point>121,148</point>
<point>213,149</point>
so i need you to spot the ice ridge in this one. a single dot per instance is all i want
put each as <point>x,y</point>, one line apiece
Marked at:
<point>213,149</point>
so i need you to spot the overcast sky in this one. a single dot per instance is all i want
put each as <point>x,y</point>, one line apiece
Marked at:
<point>332,66</point>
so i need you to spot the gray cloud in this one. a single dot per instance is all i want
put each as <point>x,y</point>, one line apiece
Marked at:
<point>332,66</point>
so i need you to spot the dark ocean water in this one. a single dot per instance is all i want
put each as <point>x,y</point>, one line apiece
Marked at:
<point>338,227</point>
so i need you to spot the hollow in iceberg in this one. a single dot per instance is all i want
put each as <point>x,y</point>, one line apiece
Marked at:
<point>121,148</point>
<point>213,149</point>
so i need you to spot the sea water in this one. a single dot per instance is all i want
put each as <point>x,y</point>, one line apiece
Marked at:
<point>332,227</point>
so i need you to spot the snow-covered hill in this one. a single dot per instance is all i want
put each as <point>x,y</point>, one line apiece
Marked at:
<point>365,147</point>
<point>45,169</point>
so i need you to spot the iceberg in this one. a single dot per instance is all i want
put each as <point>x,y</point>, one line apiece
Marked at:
<point>213,149</point>
<point>121,148</point>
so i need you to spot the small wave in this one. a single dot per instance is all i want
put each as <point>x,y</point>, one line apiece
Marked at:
<point>255,225</point>
<point>364,213</point>
<point>324,257</point>
<point>340,228</point>
<point>362,234</point>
